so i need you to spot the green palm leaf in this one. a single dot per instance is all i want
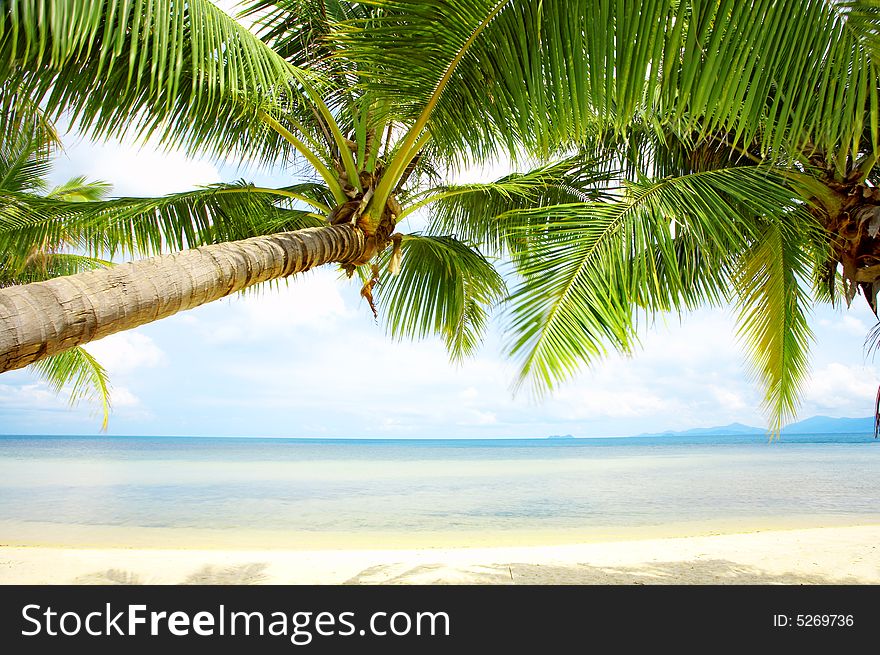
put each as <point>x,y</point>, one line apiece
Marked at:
<point>541,74</point>
<point>301,30</point>
<point>185,72</point>
<point>24,161</point>
<point>486,213</point>
<point>593,267</point>
<point>154,225</point>
<point>39,265</point>
<point>78,371</point>
<point>773,317</point>
<point>21,116</point>
<point>79,189</point>
<point>445,287</point>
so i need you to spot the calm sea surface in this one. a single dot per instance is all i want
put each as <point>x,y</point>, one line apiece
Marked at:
<point>288,487</point>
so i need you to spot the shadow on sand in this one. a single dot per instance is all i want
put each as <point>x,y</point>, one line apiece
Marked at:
<point>245,574</point>
<point>709,571</point>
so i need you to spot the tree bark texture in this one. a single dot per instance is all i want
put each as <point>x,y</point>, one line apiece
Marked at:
<point>44,318</point>
<point>853,227</point>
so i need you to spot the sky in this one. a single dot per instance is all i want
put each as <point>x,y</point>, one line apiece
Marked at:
<point>307,359</point>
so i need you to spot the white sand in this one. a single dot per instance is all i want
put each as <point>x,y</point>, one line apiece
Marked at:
<point>848,555</point>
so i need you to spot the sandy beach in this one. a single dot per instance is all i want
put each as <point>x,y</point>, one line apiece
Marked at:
<point>827,555</point>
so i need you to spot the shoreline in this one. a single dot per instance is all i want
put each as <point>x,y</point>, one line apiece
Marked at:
<point>814,555</point>
<point>57,535</point>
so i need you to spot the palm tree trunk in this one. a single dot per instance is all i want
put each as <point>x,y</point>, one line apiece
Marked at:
<point>854,231</point>
<point>44,318</point>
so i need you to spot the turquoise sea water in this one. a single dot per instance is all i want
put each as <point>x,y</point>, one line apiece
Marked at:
<point>309,487</point>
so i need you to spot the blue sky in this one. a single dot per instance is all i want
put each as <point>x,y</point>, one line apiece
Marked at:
<point>308,360</point>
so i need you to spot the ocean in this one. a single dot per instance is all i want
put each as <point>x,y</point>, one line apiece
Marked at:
<point>307,493</point>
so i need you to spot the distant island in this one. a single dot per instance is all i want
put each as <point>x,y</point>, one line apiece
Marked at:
<point>812,425</point>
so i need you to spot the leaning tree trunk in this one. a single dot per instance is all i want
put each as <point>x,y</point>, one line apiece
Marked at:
<point>44,318</point>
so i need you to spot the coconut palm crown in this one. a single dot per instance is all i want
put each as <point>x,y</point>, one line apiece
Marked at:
<point>677,153</point>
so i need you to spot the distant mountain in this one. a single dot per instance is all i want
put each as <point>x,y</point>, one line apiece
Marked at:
<point>721,430</point>
<point>812,425</point>
<point>822,424</point>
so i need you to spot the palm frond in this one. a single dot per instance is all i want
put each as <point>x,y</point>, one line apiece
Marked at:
<point>150,225</point>
<point>781,73</point>
<point>39,264</point>
<point>20,115</point>
<point>79,189</point>
<point>445,287</point>
<point>487,213</point>
<point>301,30</point>
<point>183,71</point>
<point>80,373</point>
<point>773,317</point>
<point>647,148</point>
<point>24,161</point>
<point>277,220</point>
<point>592,268</point>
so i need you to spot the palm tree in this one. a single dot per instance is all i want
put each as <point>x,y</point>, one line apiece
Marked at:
<point>684,151</point>
<point>24,162</point>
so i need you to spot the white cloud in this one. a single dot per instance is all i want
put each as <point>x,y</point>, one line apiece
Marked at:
<point>133,169</point>
<point>594,402</point>
<point>699,339</point>
<point>468,395</point>
<point>727,399</point>
<point>485,173</point>
<point>847,324</point>
<point>150,173</point>
<point>126,351</point>
<point>685,376</point>
<point>313,300</point>
<point>122,397</point>
<point>34,396</point>
<point>391,423</point>
<point>841,389</point>
<point>477,417</point>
